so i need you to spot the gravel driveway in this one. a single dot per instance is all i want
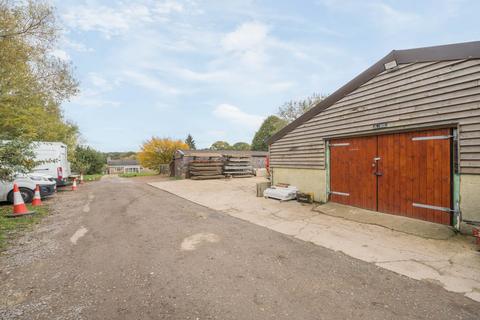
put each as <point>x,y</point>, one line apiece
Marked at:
<point>119,249</point>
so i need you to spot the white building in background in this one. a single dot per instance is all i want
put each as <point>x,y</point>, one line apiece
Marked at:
<point>123,166</point>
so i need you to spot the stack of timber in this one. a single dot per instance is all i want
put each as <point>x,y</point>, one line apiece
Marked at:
<point>206,169</point>
<point>238,166</point>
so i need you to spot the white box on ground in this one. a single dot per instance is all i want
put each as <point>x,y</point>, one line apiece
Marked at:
<point>281,193</point>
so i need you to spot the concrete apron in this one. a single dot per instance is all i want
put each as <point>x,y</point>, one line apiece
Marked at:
<point>414,227</point>
<point>454,264</point>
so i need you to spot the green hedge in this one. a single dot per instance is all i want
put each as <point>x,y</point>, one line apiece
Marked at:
<point>137,174</point>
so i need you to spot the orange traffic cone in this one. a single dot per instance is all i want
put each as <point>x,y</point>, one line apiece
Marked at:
<point>74,185</point>
<point>37,200</point>
<point>81,178</point>
<point>19,207</point>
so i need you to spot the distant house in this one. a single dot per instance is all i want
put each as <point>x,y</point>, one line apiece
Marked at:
<point>179,165</point>
<point>123,166</point>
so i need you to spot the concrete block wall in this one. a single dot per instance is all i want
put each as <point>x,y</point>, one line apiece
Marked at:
<point>306,180</point>
<point>470,196</point>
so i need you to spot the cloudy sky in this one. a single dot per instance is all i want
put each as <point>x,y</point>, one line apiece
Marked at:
<point>215,69</point>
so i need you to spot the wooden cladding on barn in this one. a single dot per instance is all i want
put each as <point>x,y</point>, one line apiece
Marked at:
<point>406,174</point>
<point>416,96</point>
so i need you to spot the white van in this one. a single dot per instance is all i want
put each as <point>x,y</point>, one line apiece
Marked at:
<point>27,184</point>
<point>56,163</point>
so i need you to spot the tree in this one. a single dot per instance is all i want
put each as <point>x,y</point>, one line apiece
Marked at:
<point>15,157</point>
<point>88,160</point>
<point>268,128</point>
<point>220,145</point>
<point>242,146</point>
<point>33,83</point>
<point>130,155</point>
<point>28,33</point>
<point>190,142</point>
<point>157,151</point>
<point>293,109</point>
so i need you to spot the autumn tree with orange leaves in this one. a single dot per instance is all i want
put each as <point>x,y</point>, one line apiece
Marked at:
<point>159,151</point>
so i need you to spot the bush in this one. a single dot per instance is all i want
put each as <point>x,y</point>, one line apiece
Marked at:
<point>137,174</point>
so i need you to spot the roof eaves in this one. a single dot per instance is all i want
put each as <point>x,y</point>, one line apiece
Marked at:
<point>352,85</point>
<point>458,51</point>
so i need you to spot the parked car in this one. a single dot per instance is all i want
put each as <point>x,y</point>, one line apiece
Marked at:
<point>27,184</point>
<point>55,162</point>
<point>40,176</point>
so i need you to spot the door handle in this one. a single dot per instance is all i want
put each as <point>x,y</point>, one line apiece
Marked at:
<point>375,165</point>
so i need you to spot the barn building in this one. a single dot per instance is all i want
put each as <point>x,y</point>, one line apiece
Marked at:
<point>403,137</point>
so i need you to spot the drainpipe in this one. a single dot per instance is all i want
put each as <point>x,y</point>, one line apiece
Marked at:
<point>267,167</point>
<point>457,214</point>
<point>327,170</point>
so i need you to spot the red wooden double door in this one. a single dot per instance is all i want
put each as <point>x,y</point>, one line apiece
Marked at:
<point>406,174</point>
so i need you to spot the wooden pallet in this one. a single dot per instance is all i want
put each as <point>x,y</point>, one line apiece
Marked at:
<point>243,176</point>
<point>238,160</point>
<point>206,169</point>
<point>243,168</point>
<point>206,164</point>
<point>220,176</point>
<point>238,166</point>
<point>205,173</point>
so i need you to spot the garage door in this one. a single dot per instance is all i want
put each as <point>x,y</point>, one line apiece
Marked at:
<point>352,179</point>
<point>406,174</point>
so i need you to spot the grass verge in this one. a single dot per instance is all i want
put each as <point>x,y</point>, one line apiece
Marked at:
<point>92,177</point>
<point>9,227</point>
<point>137,174</point>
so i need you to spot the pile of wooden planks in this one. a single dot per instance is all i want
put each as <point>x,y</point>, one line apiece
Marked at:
<point>238,166</point>
<point>206,169</point>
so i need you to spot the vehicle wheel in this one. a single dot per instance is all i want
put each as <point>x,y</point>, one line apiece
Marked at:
<point>27,195</point>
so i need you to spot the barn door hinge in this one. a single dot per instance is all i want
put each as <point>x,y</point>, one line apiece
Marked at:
<point>339,144</point>
<point>432,138</point>
<point>426,206</point>
<point>340,193</point>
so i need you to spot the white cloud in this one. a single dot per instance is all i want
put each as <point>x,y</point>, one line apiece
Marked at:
<point>235,115</point>
<point>97,80</point>
<point>168,7</point>
<point>208,76</point>
<point>378,12</point>
<point>93,99</point>
<point>60,54</point>
<point>118,20</point>
<point>248,36</point>
<point>77,46</point>
<point>217,133</point>
<point>103,19</point>
<point>280,86</point>
<point>101,83</point>
<point>248,42</point>
<point>393,18</point>
<point>149,82</point>
<point>161,106</point>
<point>93,94</point>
